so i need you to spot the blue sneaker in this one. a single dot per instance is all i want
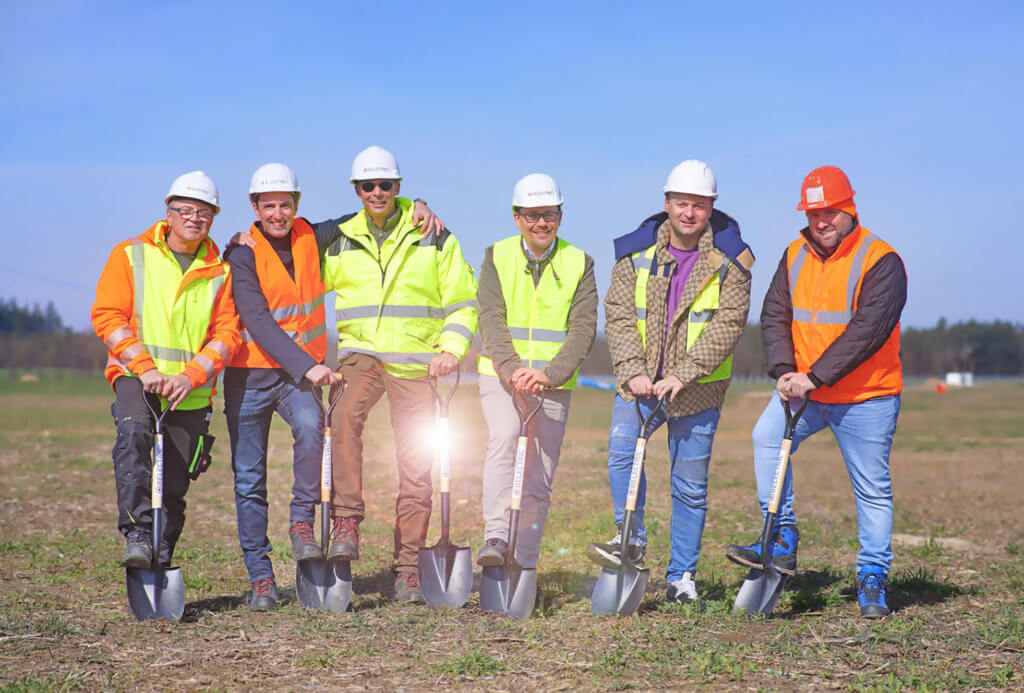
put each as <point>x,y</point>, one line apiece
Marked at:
<point>871,594</point>
<point>783,552</point>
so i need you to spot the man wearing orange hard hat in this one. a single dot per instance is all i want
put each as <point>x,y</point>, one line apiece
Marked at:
<point>830,326</point>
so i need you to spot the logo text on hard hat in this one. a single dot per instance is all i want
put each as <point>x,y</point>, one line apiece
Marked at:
<point>816,194</point>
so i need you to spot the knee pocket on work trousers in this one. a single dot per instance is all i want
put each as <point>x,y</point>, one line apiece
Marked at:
<point>131,451</point>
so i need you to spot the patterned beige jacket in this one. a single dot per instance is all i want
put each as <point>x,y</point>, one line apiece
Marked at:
<point>716,342</point>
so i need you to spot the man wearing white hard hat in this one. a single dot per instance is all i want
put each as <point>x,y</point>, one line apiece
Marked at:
<point>675,310</point>
<point>538,317</point>
<point>165,313</point>
<point>278,290</point>
<point>406,309</point>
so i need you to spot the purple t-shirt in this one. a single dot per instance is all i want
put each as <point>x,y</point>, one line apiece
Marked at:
<point>685,260</point>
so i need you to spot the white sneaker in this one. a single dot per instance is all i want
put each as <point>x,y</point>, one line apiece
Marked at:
<point>683,590</point>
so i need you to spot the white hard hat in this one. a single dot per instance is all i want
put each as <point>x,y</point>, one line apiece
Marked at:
<point>536,190</point>
<point>274,178</point>
<point>693,177</point>
<point>375,163</point>
<point>197,186</point>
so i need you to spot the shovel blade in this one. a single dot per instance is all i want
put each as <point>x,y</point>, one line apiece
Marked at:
<point>155,593</point>
<point>446,574</point>
<point>323,584</point>
<point>619,591</point>
<point>509,589</point>
<point>759,592</point>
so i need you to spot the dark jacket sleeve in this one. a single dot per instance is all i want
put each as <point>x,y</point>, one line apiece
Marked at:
<point>254,310</point>
<point>883,293</point>
<point>327,231</point>
<point>582,329</point>
<point>493,320</point>
<point>777,324</point>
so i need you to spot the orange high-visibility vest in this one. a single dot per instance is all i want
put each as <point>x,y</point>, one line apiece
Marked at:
<point>297,304</point>
<point>824,296</point>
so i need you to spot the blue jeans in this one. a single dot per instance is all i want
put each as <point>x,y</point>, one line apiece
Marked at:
<point>864,432</point>
<point>689,446</point>
<point>249,413</point>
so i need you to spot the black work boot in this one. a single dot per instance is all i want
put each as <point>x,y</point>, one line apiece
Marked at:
<point>492,554</point>
<point>344,540</point>
<point>264,595</point>
<point>138,552</point>
<point>304,546</point>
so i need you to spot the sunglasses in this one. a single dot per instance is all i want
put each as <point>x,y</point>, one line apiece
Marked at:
<point>384,185</point>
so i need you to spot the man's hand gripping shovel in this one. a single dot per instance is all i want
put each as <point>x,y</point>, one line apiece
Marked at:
<point>620,591</point>
<point>156,592</point>
<point>760,591</point>
<point>446,570</point>
<point>511,589</point>
<point>321,583</point>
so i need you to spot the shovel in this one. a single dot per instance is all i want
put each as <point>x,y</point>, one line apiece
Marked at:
<point>156,592</point>
<point>512,589</point>
<point>620,591</point>
<point>320,583</point>
<point>761,589</point>
<point>446,570</point>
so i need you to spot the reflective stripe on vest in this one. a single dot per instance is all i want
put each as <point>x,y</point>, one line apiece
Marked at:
<point>700,311</point>
<point>173,310</point>
<point>824,296</point>
<point>537,317</point>
<point>400,301</point>
<point>296,304</point>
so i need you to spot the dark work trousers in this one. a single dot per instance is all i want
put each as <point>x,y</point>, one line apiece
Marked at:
<point>133,461</point>
<point>412,416</point>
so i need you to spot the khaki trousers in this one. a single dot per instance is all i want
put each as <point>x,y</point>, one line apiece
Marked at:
<point>412,412</point>
<point>546,433</point>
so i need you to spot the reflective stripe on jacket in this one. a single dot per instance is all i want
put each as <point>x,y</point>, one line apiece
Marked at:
<point>296,304</point>
<point>150,314</point>
<point>701,309</point>
<point>824,296</point>
<point>402,303</point>
<point>537,318</point>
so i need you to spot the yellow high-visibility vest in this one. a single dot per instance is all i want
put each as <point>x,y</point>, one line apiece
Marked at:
<point>701,310</point>
<point>537,317</point>
<point>402,303</point>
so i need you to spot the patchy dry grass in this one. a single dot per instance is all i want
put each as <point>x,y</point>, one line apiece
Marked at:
<point>957,584</point>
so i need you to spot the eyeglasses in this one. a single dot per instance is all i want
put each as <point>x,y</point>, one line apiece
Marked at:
<point>189,212</point>
<point>369,185</point>
<point>534,217</point>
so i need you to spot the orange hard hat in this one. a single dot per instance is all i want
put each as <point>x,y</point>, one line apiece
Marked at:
<point>824,187</point>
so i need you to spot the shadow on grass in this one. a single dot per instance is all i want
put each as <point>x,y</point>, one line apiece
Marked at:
<point>809,591</point>
<point>194,610</point>
<point>917,586</point>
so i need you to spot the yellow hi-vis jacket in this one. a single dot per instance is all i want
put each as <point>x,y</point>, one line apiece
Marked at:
<point>701,310</point>
<point>537,317</point>
<point>405,302</point>
<point>151,314</point>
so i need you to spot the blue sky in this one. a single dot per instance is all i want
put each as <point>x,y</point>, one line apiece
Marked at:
<point>105,103</point>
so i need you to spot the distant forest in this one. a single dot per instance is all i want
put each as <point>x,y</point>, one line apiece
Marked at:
<point>35,337</point>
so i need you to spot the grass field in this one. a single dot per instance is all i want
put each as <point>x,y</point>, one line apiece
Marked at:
<point>957,585</point>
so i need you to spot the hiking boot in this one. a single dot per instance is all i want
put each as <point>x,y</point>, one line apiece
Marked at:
<point>783,552</point>
<point>683,590</point>
<point>304,546</point>
<point>407,588</point>
<point>138,552</point>
<point>264,595</point>
<point>492,554</point>
<point>871,594</point>
<point>344,539</point>
<point>607,554</point>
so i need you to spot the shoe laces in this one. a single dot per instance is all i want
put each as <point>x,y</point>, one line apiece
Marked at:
<point>411,580</point>
<point>262,587</point>
<point>496,542</point>
<point>686,586</point>
<point>872,585</point>
<point>345,528</point>
<point>303,530</point>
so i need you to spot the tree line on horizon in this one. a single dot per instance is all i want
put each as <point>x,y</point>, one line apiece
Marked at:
<point>37,338</point>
